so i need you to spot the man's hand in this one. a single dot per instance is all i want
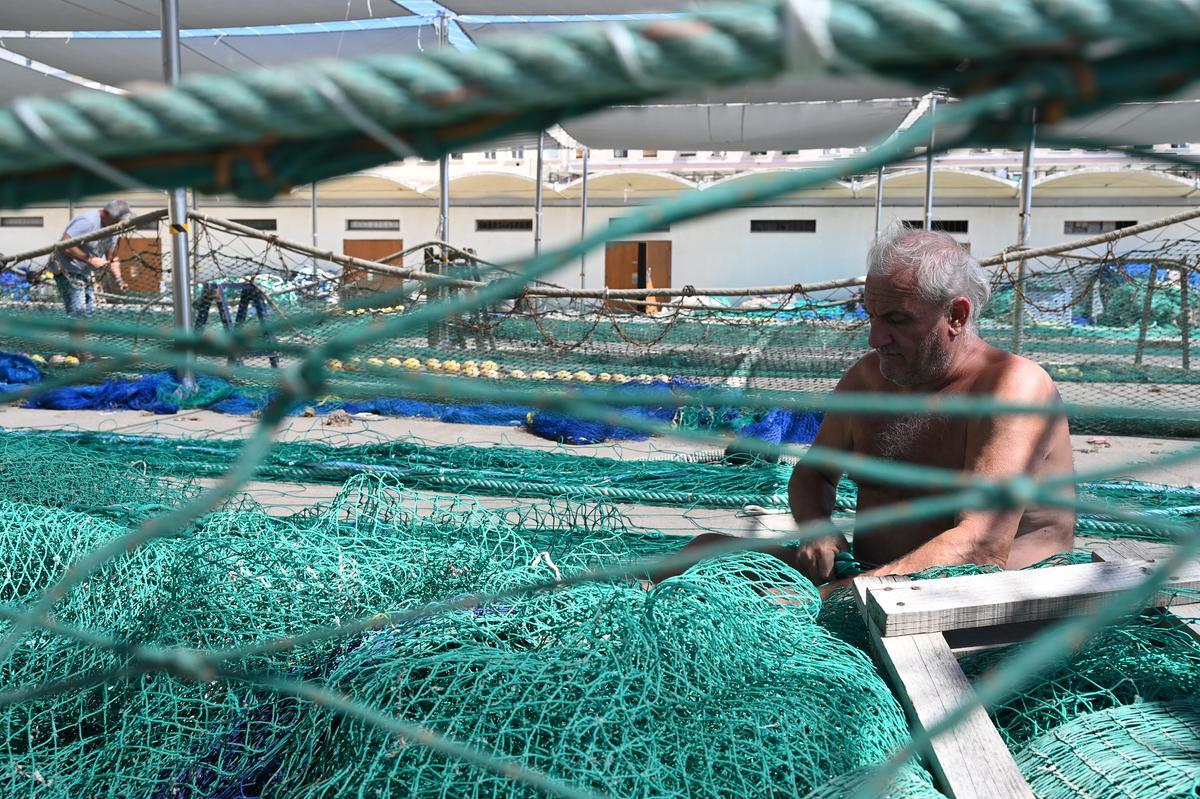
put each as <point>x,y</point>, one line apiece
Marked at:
<point>96,262</point>
<point>814,559</point>
<point>115,266</point>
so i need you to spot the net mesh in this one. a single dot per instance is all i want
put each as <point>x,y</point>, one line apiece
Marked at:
<point>1110,322</point>
<point>156,653</point>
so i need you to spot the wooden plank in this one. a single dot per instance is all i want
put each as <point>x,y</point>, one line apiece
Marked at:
<point>986,600</point>
<point>1190,615</point>
<point>971,760</point>
<point>1131,549</point>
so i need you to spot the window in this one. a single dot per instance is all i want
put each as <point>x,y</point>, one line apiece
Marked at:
<point>489,155</point>
<point>789,152</point>
<point>758,152</point>
<point>455,156</point>
<point>372,224</point>
<point>1090,227</point>
<point>656,229</point>
<point>649,153</point>
<point>620,153</point>
<point>940,225</point>
<point>497,225</point>
<point>687,153</point>
<point>718,154</point>
<point>783,226</point>
<point>258,224</point>
<point>22,221</point>
<point>517,152</point>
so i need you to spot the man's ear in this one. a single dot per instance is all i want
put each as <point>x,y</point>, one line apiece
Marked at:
<point>960,314</point>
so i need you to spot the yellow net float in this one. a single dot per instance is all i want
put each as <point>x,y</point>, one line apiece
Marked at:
<point>412,363</point>
<point>394,361</point>
<point>450,366</point>
<point>540,374</point>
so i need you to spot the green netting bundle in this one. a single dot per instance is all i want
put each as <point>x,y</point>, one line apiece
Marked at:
<point>499,471</point>
<point>51,472</point>
<point>1146,657</point>
<point>702,686</point>
<point>1149,749</point>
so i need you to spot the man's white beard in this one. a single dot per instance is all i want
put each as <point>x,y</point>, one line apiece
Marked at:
<point>932,364</point>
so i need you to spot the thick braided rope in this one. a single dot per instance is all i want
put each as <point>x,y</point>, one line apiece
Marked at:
<point>261,131</point>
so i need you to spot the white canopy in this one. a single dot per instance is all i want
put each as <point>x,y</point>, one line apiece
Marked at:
<point>1139,123</point>
<point>106,15</point>
<point>17,80</point>
<point>119,61</point>
<point>746,126</point>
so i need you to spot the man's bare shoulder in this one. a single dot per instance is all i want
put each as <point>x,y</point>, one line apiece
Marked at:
<point>1011,377</point>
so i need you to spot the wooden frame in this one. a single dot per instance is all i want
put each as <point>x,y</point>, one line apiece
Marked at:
<point>919,628</point>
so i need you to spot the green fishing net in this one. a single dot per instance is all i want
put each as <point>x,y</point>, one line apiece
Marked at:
<point>702,686</point>
<point>1149,749</point>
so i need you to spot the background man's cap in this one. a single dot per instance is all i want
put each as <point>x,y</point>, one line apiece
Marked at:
<point>118,209</point>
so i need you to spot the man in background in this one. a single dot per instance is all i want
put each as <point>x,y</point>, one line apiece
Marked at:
<point>75,268</point>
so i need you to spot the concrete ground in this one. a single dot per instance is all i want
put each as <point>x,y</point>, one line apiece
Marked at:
<point>1118,456</point>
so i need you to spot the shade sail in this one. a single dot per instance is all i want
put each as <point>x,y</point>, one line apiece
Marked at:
<point>785,89</point>
<point>121,61</point>
<point>567,7</point>
<point>105,15</point>
<point>1138,123</point>
<point>750,126</point>
<point>17,80</point>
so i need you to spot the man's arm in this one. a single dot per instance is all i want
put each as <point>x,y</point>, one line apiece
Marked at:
<point>997,447</point>
<point>812,494</point>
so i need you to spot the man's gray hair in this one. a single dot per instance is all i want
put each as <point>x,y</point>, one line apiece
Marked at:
<point>118,209</point>
<point>944,269</point>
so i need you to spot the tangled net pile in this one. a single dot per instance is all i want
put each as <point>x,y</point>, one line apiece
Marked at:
<point>167,640</point>
<point>607,686</point>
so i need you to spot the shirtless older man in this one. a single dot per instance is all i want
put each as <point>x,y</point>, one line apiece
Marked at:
<point>923,296</point>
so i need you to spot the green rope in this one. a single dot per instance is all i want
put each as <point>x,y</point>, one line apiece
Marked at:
<point>257,133</point>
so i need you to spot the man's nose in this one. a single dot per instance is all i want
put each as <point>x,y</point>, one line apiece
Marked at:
<point>878,336</point>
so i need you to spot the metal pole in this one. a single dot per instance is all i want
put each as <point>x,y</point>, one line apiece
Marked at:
<point>1024,230</point>
<point>583,208</point>
<point>878,203</point>
<point>313,204</point>
<point>933,98</point>
<point>1147,309</point>
<point>181,277</point>
<point>537,194</point>
<point>444,165</point>
<point>1185,318</point>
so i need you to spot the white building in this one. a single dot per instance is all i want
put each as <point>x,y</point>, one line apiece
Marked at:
<point>809,236</point>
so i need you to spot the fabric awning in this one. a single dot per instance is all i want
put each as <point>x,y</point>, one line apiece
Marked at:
<point>113,15</point>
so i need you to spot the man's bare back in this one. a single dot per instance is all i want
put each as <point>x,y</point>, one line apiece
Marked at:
<point>955,443</point>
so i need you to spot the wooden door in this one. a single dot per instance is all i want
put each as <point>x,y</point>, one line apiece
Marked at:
<point>637,265</point>
<point>658,269</point>
<point>371,250</point>
<point>141,263</point>
<point>621,270</point>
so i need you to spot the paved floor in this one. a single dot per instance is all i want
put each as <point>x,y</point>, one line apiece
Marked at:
<point>1117,456</point>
